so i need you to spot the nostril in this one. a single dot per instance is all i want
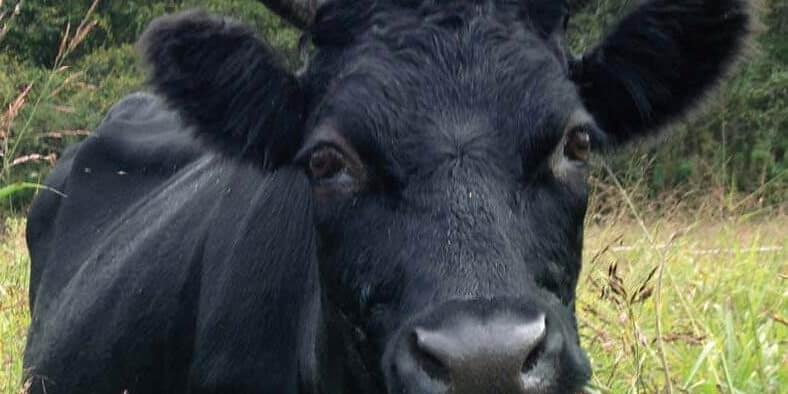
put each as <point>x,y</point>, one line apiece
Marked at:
<point>541,361</point>
<point>530,339</point>
<point>533,356</point>
<point>427,357</point>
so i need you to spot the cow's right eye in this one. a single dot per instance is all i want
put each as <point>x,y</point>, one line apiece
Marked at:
<point>578,144</point>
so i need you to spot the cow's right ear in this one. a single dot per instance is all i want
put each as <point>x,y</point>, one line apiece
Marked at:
<point>227,84</point>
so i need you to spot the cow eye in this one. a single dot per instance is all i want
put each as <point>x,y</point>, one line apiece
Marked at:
<point>326,163</point>
<point>328,166</point>
<point>578,144</point>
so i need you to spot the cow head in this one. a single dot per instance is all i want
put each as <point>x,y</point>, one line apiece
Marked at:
<point>447,144</point>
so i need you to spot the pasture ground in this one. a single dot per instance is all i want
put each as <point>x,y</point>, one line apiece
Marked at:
<point>722,305</point>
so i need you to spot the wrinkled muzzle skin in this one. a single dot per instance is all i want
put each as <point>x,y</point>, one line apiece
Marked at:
<point>447,145</point>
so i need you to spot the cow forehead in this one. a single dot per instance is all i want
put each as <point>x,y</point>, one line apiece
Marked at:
<point>439,91</point>
<point>345,20</point>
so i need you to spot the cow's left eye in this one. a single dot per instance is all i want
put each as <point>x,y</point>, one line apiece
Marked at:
<point>326,163</point>
<point>328,166</point>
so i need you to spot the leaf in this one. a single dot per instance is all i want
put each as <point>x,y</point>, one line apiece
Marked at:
<point>14,188</point>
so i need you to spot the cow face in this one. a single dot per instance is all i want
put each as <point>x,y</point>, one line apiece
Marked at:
<point>447,144</point>
<point>448,163</point>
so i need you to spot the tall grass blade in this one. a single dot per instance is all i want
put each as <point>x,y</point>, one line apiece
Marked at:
<point>14,188</point>
<point>701,358</point>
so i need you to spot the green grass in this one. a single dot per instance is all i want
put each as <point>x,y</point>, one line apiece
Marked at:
<point>723,310</point>
<point>722,307</point>
<point>14,318</point>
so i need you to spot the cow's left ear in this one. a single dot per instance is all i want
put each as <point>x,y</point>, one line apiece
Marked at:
<point>659,62</point>
<point>226,83</point>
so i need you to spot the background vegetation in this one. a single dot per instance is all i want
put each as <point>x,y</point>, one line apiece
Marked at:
<point>686,265</point>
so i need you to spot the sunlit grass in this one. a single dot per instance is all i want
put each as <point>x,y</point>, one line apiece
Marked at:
<point>723,307</point>
<point>14,318</point>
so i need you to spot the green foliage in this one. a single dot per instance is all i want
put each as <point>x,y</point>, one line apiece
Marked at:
<point>38,29</point>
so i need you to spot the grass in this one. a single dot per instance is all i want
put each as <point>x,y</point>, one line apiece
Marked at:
<point>14,318</point>
<point>723,311</point>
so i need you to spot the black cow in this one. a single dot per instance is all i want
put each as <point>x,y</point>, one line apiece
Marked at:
<point>405,215</point>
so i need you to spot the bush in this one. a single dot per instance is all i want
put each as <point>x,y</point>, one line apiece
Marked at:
<point>38,30</point>
<point>39,27</point>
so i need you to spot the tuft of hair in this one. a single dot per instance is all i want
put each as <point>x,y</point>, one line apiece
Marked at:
<point>227,84</point>
<point>660,62</point>
<point>337,23</point>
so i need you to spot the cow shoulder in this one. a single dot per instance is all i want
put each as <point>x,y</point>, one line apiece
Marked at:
<point>113,253</point>
<point>166,253</point>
